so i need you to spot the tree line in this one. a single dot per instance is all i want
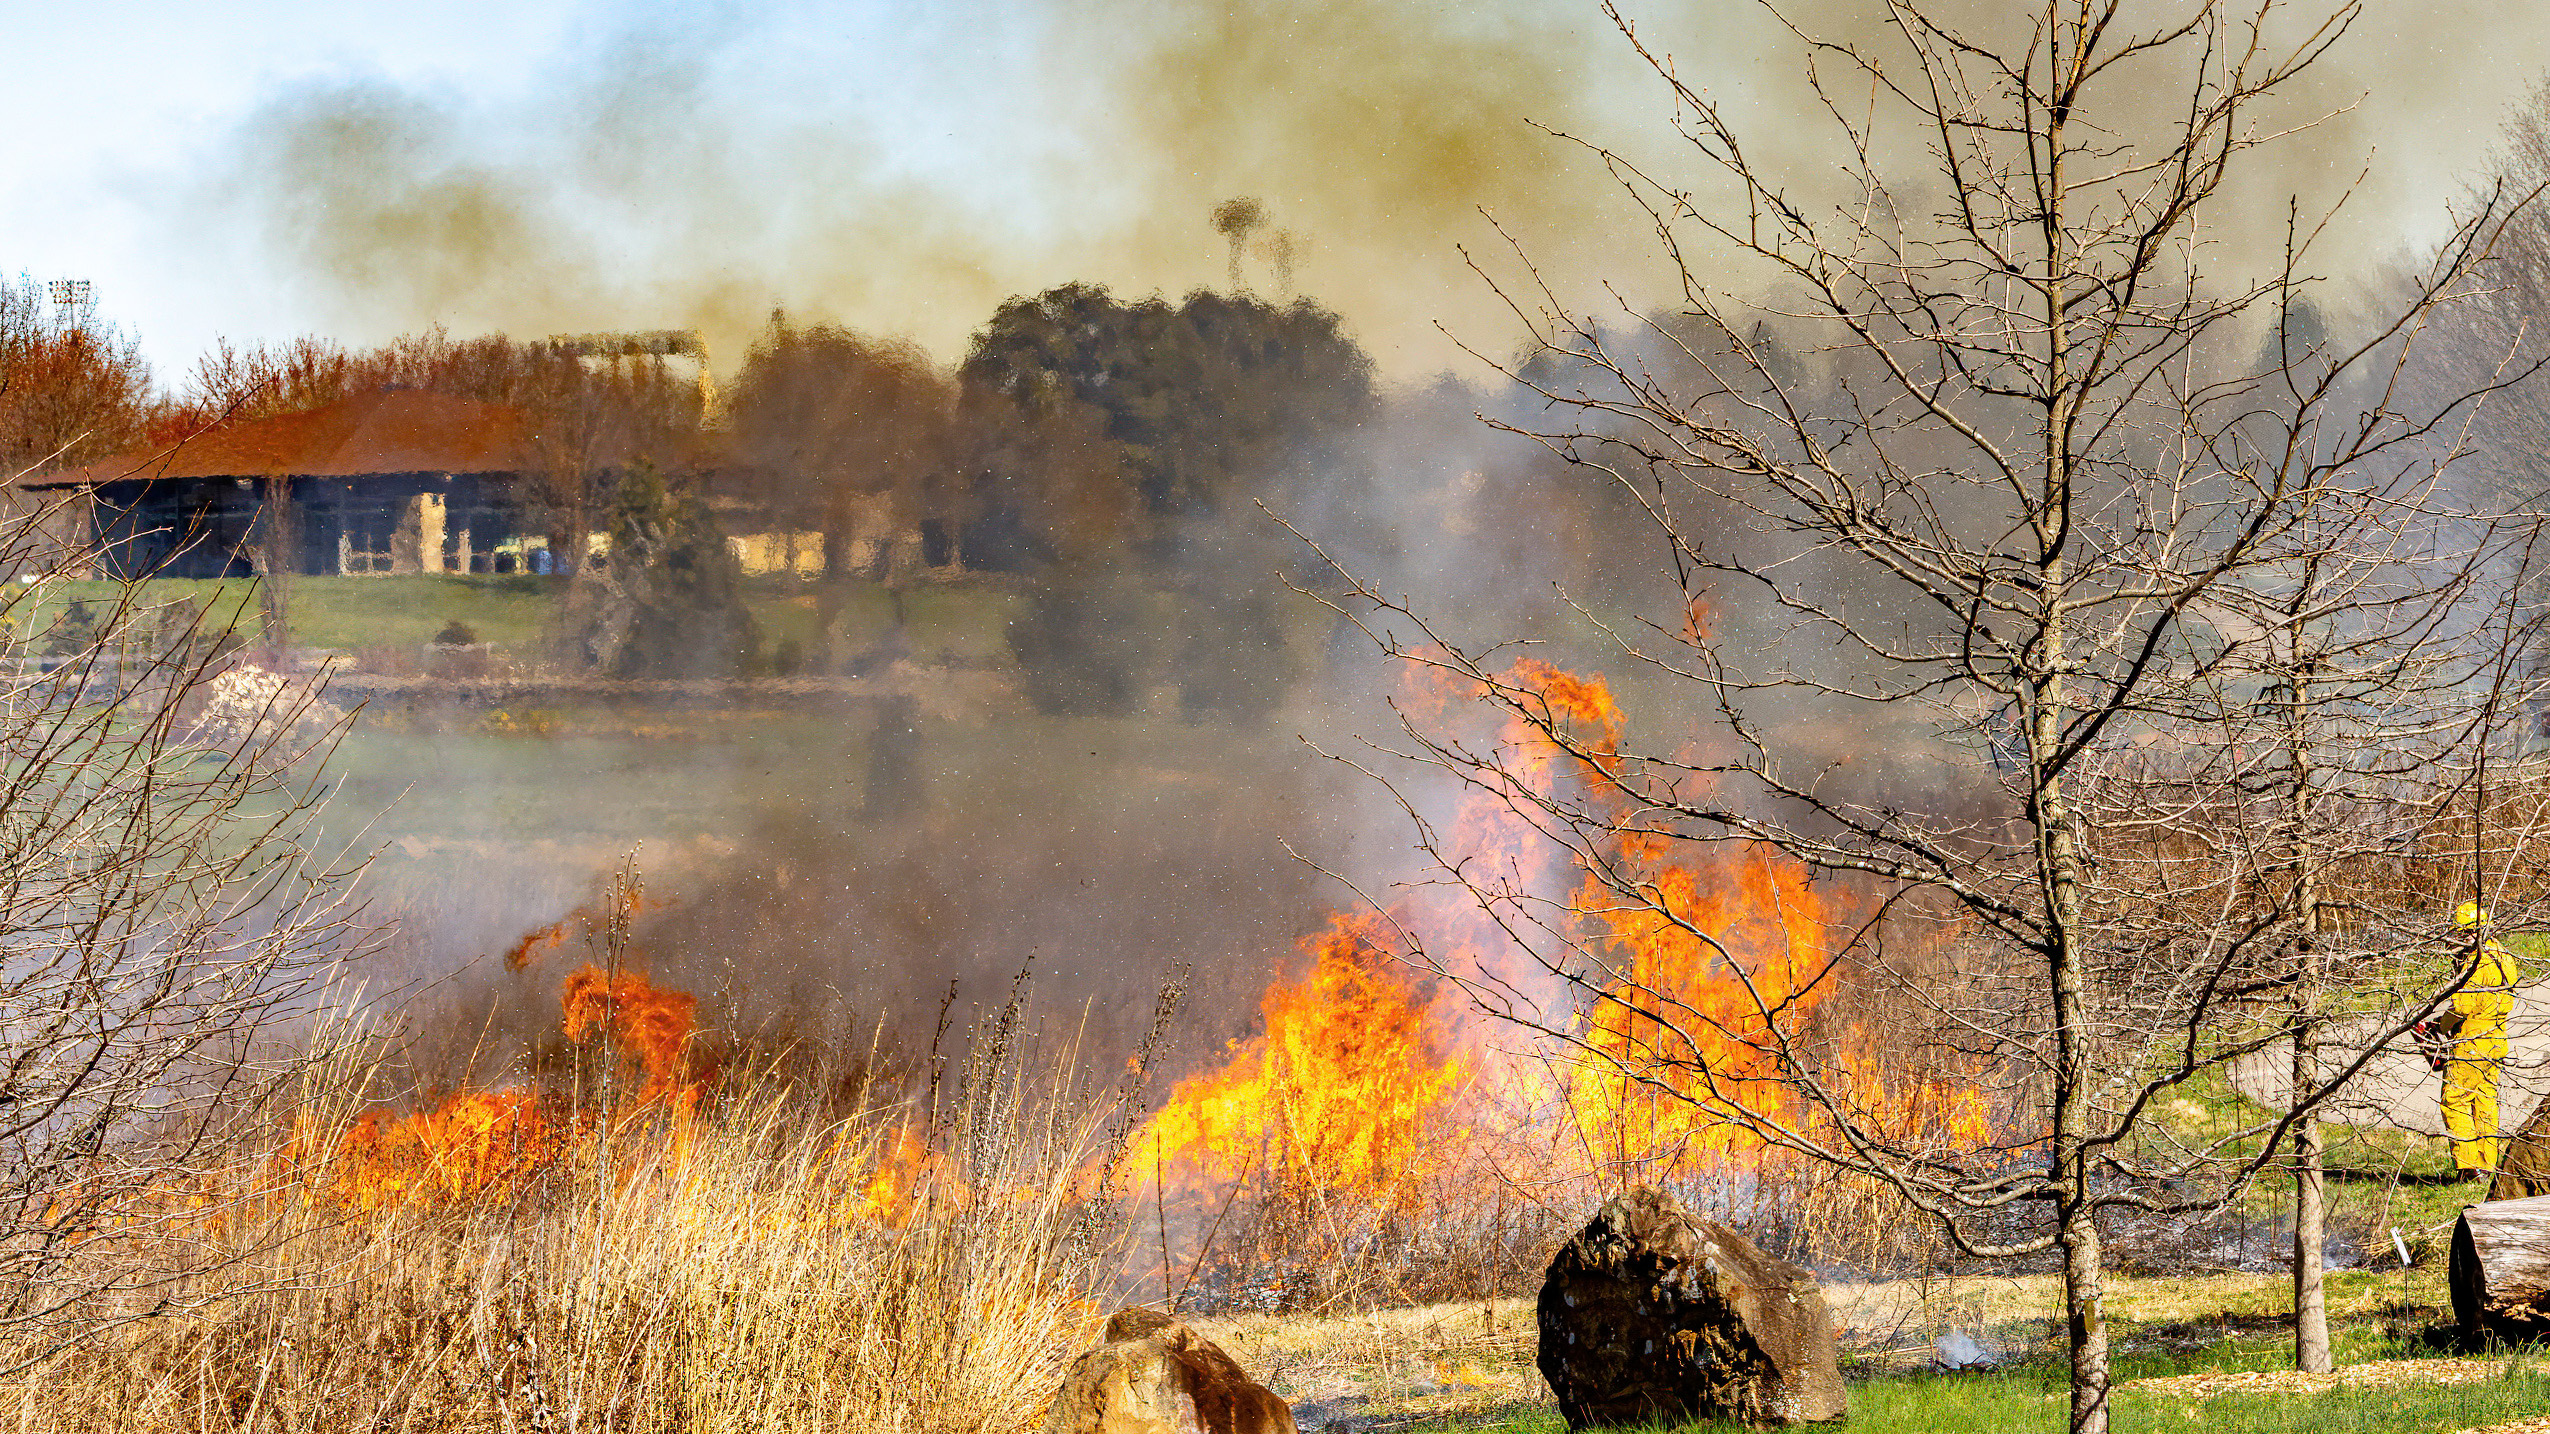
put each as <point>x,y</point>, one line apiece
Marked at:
<point>1081,434</point>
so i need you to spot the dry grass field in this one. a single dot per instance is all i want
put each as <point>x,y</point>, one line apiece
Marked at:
<point>683,1252</point>
<point>658,1246</point>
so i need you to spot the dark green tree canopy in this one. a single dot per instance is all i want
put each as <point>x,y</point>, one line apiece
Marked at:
<point>1217,396</point>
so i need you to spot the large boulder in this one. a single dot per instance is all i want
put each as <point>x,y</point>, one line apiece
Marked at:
<point>1652,1315</point>
<point>1153,1375</point>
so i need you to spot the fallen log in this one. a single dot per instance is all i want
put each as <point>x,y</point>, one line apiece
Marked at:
<point>2500,1269</point>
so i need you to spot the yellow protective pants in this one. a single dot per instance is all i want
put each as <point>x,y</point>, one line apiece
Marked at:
<point>2470,1096</point>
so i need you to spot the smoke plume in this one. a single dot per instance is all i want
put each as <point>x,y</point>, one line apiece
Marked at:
<point>697,173</point>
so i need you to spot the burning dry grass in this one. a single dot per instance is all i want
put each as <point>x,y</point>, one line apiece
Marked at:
<point>640,1240</point>
<point>1431,1101</point>
<point>735,1267</point>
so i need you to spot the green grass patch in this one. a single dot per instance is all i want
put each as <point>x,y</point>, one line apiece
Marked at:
<point>351,612</point>
<point>2438,1408</point>
<point>2031,1395</point>
<point>344,612</point>
<point>952,622</point>
<point>966,621</point>
<point>226,603</point>
<point>961,623</point>
<point>2034,1400</point>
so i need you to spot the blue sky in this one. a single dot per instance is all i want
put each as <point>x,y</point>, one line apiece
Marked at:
<point>258,170</point>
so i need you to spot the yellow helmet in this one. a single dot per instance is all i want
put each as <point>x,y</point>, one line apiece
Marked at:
<point>2470,914</point>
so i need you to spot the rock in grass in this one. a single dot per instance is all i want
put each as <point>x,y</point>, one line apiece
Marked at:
<point>1153,1375</point>
<point>1652,1315</point>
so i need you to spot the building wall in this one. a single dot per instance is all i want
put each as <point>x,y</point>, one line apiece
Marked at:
<point>796,553</point>
<point>192,528</point>
<point>405,522</point>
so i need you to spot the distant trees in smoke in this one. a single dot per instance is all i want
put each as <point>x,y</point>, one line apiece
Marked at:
<point>1110,453</point>
<point>1204,409</point>
<point>840,435</point>
<point>1219,396</point>
<point>669,602</point>
<point>2504,327</point>
<point>71,388</point>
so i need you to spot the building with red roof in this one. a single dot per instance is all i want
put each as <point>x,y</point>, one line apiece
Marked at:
<point>396,480</point>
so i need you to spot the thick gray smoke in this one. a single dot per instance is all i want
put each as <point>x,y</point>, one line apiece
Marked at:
<point>645,186</point>
<point>697,172</point>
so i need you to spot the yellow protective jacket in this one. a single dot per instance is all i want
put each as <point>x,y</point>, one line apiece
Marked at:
<point>2488,997</point>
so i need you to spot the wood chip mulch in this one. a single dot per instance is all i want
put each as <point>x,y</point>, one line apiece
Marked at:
<point>2379,1374</point>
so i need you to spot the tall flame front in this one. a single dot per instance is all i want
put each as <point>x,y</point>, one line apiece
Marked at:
<point>1383,1060</point>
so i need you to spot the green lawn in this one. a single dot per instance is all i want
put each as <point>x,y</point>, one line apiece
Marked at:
<point>2031,1399</point>
<point>963,622</point>
<point>345,613</point>
<point>348,613</point>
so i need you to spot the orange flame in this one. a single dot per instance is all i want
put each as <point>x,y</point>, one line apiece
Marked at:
<point>476,1144</point>
<point>886,1197</point>
<point>540,940</point>
<point>650,1022</point>
<point>592,918</point>
<point>1709,965</point>
<point>1352,1067</point>
<point>1686,1047</point>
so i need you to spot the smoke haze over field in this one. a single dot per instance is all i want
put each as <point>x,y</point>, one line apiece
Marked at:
<point>603,166</point>
<point>610,165</point>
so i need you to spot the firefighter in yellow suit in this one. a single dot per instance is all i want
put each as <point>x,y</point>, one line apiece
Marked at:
<point>2480,1009</point>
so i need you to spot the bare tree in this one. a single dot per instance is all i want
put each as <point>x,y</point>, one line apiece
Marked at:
<point>72,388</point>
<point>848,436</point>
<point>2338,783</point>
<point>586,420</point>
<point>165,925</point>
<point>260,381</point>
<point>2000,484</point>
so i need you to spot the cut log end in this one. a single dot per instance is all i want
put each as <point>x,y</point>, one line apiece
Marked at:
<point>2499,1271</point>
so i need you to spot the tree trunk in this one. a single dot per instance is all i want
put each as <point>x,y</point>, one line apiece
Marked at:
<point>2310,1211</point>
<point>2310,1222</point>
<point>2500,1269</point>
<point>2085,1295</point>
<point>276,525</point>
<point>566,549</point>
<point>829,586</point>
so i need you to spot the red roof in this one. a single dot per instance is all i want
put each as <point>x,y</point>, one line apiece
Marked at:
<point>387,431</point>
